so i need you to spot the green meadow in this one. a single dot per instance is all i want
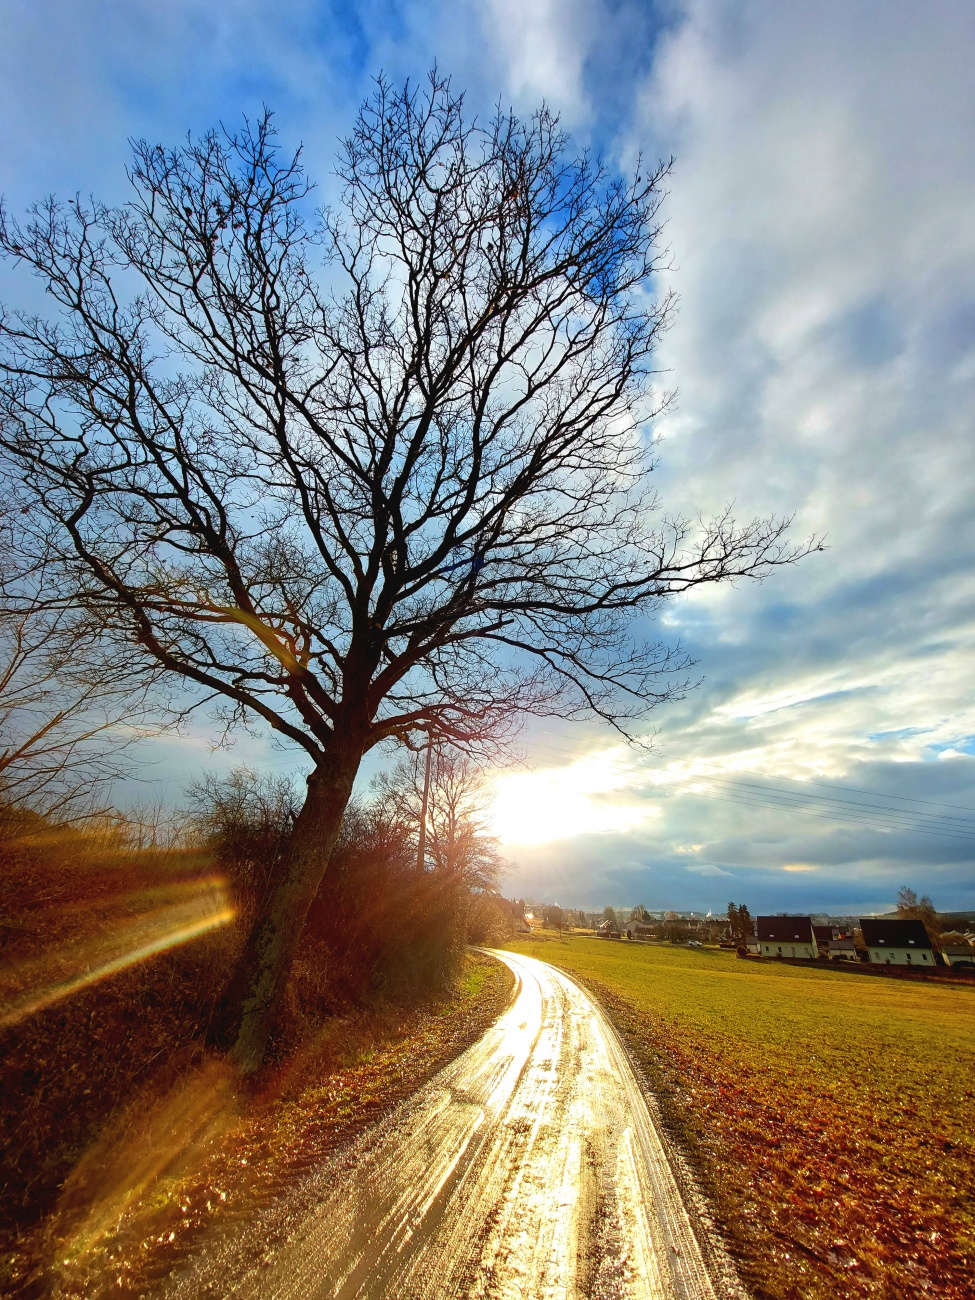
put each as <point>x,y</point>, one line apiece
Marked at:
<point>829,1115</point>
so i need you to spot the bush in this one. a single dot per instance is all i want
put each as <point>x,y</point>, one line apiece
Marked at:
<point>91,909</point>
<point>70,899</point>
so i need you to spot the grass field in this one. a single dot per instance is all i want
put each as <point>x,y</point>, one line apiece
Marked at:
<point>830,1117</point>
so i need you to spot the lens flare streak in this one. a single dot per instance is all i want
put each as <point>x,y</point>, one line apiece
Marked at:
<point>32,987</point>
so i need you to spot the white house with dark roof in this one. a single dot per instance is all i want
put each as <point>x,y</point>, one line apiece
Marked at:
<point>787,936</point>
<point>842,950</point>
<point>897,942</point>
<point>959,954</point>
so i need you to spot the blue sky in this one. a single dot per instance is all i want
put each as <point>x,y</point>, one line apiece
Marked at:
<point>822,221</point>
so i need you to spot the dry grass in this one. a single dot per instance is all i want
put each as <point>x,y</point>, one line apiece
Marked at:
<point>206,1157</point>
<point>831,1119</point>
<point>75,1046</point>
<point>113,961</point>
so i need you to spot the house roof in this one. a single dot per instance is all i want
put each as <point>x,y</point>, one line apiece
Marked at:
<point>843,945</point>
<point>785,929</point>
<point>823,933</point>
<point>894,934</point>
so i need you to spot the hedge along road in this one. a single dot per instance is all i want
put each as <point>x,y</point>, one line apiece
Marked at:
<point>529,1168</point>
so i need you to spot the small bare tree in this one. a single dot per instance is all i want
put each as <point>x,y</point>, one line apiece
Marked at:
<point>458,844</point>
<point>247,820</point>
<point>66,716</point>
<point>912,908</point>
<point>369,474</point>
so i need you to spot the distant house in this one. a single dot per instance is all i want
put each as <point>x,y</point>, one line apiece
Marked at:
<point>824,935</point>
<point>897,942</point>
<point>841,950</point>
<point>787,936</point>
<point>959,954</point>
<point>638,930</point>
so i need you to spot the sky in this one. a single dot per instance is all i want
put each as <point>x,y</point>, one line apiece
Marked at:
<point>821,219</point>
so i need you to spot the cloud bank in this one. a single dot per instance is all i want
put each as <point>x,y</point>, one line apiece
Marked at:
<point>822,225</point>
<point>822,222</point>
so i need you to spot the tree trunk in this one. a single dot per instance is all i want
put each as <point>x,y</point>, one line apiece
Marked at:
<point>265,963</point>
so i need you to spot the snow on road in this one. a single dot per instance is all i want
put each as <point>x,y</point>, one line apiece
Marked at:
<point>528,1169</point>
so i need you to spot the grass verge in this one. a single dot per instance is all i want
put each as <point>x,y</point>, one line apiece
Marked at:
<point>174,1168</point>
<point>831,1121</point>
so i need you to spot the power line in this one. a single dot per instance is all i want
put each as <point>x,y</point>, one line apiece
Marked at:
<point>964,823</point>
<point>883,819</point>
<point>889,819</point>
<point>753,800</point>
<point>877,794</point>
<point>954,823</point>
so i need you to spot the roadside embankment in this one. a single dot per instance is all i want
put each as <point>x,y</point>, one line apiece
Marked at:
<point>207,1154</point>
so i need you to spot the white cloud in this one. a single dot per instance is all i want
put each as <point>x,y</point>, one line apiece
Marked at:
<point>580,798</point>
<point>822,218</point>
<point>542,45</point>
<point>823,222</point>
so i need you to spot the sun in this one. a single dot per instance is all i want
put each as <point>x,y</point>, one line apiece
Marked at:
<point>586,797</point>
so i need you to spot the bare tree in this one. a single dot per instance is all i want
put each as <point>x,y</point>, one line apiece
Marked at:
<point>458,844</point>
<point>367,474</point>
<point>553,918</point>
<point>66,716</point>
<point>247,819</point>
<point>912,908</point>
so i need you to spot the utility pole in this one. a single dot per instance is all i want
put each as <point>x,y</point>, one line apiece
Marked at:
<point>421,849</point>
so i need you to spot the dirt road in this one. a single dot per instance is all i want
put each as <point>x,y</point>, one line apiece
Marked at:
<point>528,1169</point>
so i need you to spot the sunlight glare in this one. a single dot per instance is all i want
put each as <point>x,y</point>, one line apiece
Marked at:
<point>30,987</point>
<point>558,803</point>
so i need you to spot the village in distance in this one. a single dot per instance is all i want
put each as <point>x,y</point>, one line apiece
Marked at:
<point>914,936</point>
